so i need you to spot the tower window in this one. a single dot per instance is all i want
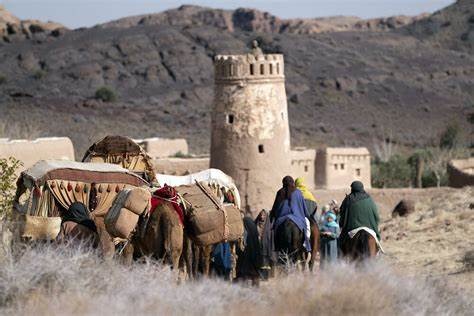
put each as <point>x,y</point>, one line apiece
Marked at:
<point>282,116</point>
<point>306,168</point>
<point>358,172</point>
<point>278,68</point>
<point>230,118</point>
<point>262,69</point>
<point>342,166</point>
<point>260,149</point>
<point>251,69</point>
<point>231,70</point>
<point>335,166</point>
<point>271,69</point>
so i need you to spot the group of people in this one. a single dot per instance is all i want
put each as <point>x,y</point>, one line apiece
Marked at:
<point>336,224</point>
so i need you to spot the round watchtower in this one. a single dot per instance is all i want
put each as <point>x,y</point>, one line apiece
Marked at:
<point>250,132</point>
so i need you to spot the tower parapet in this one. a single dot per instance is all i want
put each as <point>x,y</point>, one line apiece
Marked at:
<point>249,67</point>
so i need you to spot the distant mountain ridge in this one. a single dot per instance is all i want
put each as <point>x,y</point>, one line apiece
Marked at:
<point>252,20</point>
<point>353,87</point>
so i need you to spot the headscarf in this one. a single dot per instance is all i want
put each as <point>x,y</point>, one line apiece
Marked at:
<point>357,192</point>
<point>283,194</point>
<point>299,182</point>
<point>79,214</point>
<point>328,223</point>
<point>288,186</point>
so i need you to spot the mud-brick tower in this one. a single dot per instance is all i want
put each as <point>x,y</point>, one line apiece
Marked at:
<point>250,131</point>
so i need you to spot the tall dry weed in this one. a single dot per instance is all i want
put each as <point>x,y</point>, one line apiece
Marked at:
<point>47,280</point>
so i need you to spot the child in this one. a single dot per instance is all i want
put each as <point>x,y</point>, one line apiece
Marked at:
<point>329,233</point>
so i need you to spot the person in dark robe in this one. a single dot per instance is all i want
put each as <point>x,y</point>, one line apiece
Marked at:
<point>249,261</point>
<point>260,222</point>
<point>289,204</point>
<point>221,260</point>
<point>358,210</point>
<point>77,227</point>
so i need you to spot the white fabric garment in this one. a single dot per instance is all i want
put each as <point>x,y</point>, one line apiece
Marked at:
<point>210,176</point>
<point>308,228</point>
<point>353,232</point>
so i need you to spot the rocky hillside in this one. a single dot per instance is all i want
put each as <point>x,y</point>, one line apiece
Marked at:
<point>344,88</point>
<point>452,28</point>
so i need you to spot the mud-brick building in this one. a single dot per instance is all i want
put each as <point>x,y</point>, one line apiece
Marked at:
<point>30,151</point>
<point>337,167</point>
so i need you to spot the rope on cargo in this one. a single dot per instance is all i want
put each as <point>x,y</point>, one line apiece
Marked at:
<point>219,207</point>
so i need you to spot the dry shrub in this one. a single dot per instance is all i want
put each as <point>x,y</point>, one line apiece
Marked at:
<point>468,260</point>
<point>57,281</point>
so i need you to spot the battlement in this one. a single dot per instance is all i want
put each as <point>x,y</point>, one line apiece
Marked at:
<point>249,67</point>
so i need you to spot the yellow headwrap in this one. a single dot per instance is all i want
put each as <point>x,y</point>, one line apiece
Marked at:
<point>299,182</point>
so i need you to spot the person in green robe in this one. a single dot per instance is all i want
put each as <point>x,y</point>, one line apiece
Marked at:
<point>358,210</point>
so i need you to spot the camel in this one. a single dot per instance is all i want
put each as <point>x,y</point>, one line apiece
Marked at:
<point>163,236</point>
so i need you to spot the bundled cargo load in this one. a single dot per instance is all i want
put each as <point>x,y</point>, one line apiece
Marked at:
<point>50,186</point>
<point>208,220</point>
<point>122,218</point>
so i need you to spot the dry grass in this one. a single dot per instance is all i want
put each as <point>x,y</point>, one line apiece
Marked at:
<point>16,130</point>
<point>59,281</point>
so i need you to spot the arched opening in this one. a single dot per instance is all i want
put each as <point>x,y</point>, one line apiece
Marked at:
<point>278,68</point>
<point>230,118</point>
<point>261,149</point>
<point>251,70</point>
<point>262,69</point>
<point>271,69</point>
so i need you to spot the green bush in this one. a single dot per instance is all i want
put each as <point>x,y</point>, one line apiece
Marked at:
<point>180,154</point>
<point>39,74</point>
<point>7,184</point>
<point>105,94</point>
<point>394,173</point>
<point>450,137</point>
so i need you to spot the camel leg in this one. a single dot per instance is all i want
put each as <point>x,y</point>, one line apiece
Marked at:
<point>187,257</point>
<point>205,259</point>
<point>106,244</point>
<point>127,254</point>
<point>173,243</point>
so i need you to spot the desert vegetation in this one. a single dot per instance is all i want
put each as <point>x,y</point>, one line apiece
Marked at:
<point>106,94</point>
<point>394,167</point>
<point>46,280</point>
<point>8,168</point>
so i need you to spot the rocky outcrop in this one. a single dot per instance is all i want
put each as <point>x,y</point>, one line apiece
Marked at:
<point>461,172</point>
<point>404,208</point>
<point>12,28</point>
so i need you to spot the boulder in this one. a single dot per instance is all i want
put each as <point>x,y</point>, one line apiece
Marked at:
<point>403,208</point>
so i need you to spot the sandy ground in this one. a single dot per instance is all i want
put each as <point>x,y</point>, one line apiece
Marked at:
<point>432,241</point>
